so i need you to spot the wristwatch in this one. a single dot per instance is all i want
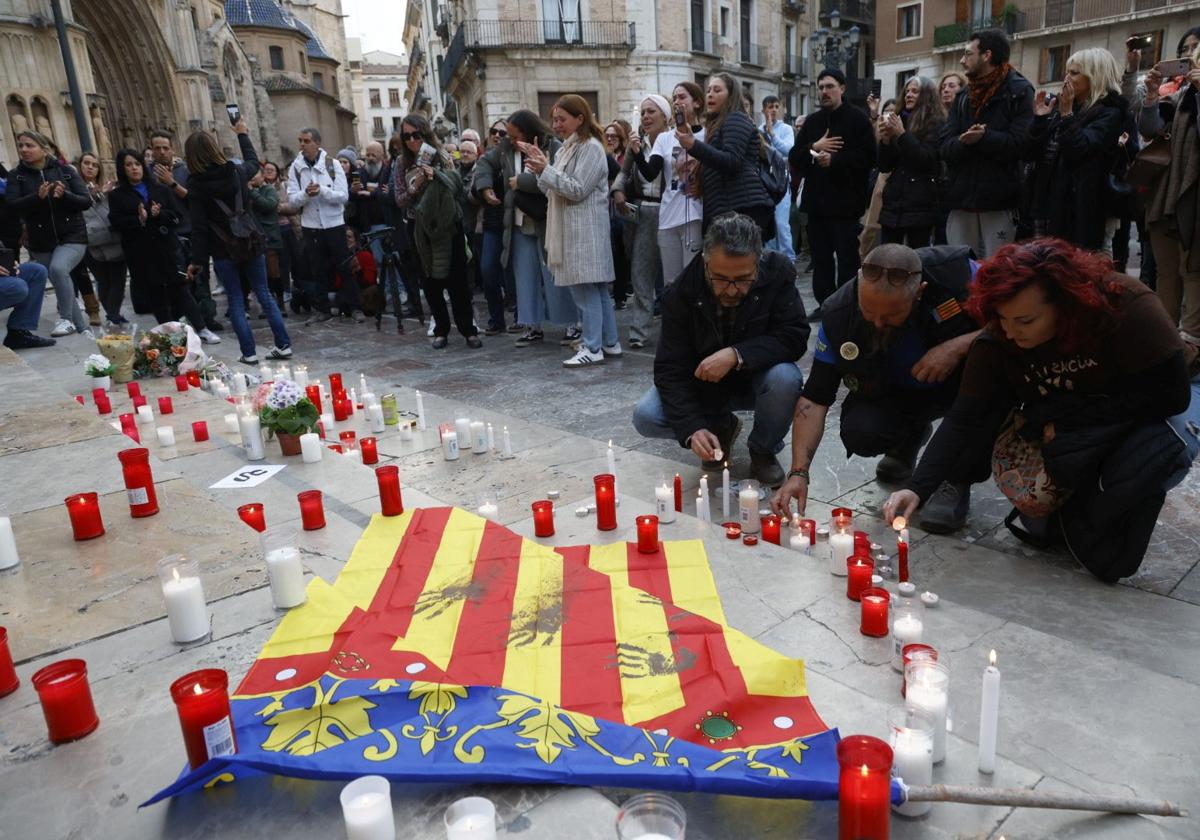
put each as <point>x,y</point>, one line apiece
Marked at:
<point>737,353</point>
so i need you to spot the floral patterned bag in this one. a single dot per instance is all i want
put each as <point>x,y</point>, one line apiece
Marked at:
<point>1020,472</point>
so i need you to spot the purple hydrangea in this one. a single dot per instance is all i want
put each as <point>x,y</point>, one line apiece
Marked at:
<point>284,394</point>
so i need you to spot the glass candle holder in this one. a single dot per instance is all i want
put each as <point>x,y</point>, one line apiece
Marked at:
<point>647,534</point>
<point>862,542</point>
<point>181,383</point>
<point>335,382</point>
<point>370,450</point>
<point>471,818</point>
<point>200,431</point>
<point>910,735</point>
<point>733,530</point>
<point>770,528</point>
<point>858,576</point>
<point>202,703</point>
<point>139,482</point>
<point>341,409</point>
<point>913,653</point>
<point>908,626</point>
<point>254,515</point>
<point>66,698</point>
<point>84,511</point>
<point>748,497</point>
<point>390,501</point>
<point>841,539</point>
<point>139,401</point>
<point>193,378</point>
<point>285,573</point>
<point>367,809</point>
<point>543,518</point>
<point>133,389</point>
<point>336,447</point>
<point>349,440</point>
<point>874,601</point>
<point>8,672</point>
<point>864,788</point>
<point>489,502</point>
<point>313,392</point>
<point>312,510</point>
<point>183,593</point>
<point>165,406</point>
<point>651,815</point>
<point>103,405</point>
<point>928,689</point>
<point>606,501</point>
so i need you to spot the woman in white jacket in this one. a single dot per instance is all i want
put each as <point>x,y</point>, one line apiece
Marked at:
<point>577,244</point>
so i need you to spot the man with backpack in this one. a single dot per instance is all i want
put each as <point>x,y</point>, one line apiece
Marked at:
<point>782,138</point>
<point>317,185</point>
<point>834,155</point>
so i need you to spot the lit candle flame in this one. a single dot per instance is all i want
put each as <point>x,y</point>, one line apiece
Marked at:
<point>899,523</point>
<point>197,689</point>
<point>992,659</point>
<point>175,572</point>
<point>864,770</point>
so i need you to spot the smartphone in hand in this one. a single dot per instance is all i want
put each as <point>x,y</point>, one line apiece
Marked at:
<point>234,112</point>
<point>1173,67</point>
<point>679,119</point>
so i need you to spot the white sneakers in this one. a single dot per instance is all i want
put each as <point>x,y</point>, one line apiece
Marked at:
<point>583,358</point>
<point>206,335</point>
<point>63,327</point>
<point>613,349</point>
<point>279,353</point>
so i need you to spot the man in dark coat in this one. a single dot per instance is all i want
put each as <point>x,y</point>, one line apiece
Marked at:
<point>733,328</point>
<point>896,337</point>
<point>834,155</point>
<point>981,144</point>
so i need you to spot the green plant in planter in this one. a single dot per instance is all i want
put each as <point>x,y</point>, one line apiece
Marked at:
<point>96,365</point>
<point>288,411</point>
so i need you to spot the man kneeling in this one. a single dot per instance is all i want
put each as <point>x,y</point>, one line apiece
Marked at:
<point>733,327</point>
<point>897,337</point>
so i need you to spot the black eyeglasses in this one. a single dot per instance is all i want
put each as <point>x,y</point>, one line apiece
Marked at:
<point>410,135</point>
<point>739,283</point>
<point>894,276</point>
<point>498,132</point>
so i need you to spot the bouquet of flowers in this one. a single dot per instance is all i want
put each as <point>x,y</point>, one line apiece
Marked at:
<point>285,409</point>
<point>167,350</point>
<point>98,366</point>
<point>118,348</point>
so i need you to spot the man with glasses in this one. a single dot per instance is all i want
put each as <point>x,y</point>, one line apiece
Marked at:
<point>896,337</point>
<point>733,328</point>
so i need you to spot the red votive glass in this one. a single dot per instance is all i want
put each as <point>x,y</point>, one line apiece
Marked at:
<point>749,539</point>
<point>864,788</point>
<point>8,672</point>
<point>809,527</point>
<point>913,652</point>
<point>165,406</point>
<point>200,431</point>
<point>193,378</point>
<point>733,530</point>
<point>543,518</point>
<point>312,511</point>
<point>341,409</point>
<point>313,392</point>
<point>770,528</point>
<point>337,447</point>
<point>66,698</point>
<point>647,534</point>
<point>133,389</point>
<point>97,393</point>
<point>874,602</point>
<point>370,450</point>
<point>606,501</point>
<point>139,482</point>
<point>103,405</point>
<point>202,701</point>
<point>858,575</point>
<point>138,401</point>
<point>181,383</point>
<point>349,440</point>
<point>254,516</point>
<point>129,428</point>
<point>335,383</point>
<point>79,399</point>
<point>390,501</point>
<point>84,510</point>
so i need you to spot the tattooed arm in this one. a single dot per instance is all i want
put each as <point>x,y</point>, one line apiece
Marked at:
<point>807,428</point>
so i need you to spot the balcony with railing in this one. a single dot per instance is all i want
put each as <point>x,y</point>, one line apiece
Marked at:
<point>1010,21</point>
<point>508,34</point>
<point>861,12</point>
<point>751,53</point>
<point>1018,21</point>
<point>794,67</point>
<point>703,41</point>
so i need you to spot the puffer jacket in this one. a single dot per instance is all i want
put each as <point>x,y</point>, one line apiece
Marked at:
<point>50,222</point>
<point>104,243</point>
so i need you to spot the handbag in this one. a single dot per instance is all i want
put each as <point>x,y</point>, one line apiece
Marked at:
<point>1150,164</point>
<point>773,170</point>
<point>245,239</point>
<point>531,204</point>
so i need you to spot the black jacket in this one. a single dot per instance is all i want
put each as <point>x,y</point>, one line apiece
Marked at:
<point>729,163</point>
<point>839,191</point>
<point>1074,157</point>
<point>373,209</point>
<point>986,175</point>
<point>911,195</point>
<point>770,328</point>
<point>205,189</point>
<point>151,248</point>
<point>10,220</point>
<point>50,222</point>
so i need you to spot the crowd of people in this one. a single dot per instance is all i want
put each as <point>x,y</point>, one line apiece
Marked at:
<point>968,243</point>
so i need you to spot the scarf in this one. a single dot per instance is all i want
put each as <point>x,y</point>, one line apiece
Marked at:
<point>555,245</point>
<point>980,90</point>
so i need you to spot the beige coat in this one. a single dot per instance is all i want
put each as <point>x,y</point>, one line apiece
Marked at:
<point>577,240</point>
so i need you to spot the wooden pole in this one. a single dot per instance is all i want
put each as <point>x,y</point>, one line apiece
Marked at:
<point>1024,798</point>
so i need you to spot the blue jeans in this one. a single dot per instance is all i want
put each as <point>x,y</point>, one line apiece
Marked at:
<point>771,395</point>
<point>23,295</point>
<point>256,272</point>
<point>599,317</point>
<point>783,228</point>
<point>495,276</point>
<point>525,262</point>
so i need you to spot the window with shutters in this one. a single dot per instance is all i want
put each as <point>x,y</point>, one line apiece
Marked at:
<point>1054,64</point>
<point>373,94</point>
<point>908,21</point>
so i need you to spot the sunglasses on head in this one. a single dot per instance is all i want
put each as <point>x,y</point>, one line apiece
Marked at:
<point>498,132</point>
<point>410,135</point>
<point>894,276</point>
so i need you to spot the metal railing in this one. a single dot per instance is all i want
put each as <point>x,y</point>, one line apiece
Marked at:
<point>500,34</point>
<point>1065,12</point>
<point>1011,22</point>
<point>794,66</point>
<point>855,11</point>
<point>702,41</point>
<point>751,53</point>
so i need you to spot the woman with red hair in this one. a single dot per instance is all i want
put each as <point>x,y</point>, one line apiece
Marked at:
<point>1070,386</point>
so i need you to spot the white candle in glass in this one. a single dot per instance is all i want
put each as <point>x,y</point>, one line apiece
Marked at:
<point>664,502</point>
<point>911,740</point>
<point>362,386</point>
<point>367,809</point>
<point>310,447</point>
<point>462,426</point>
<point>375,412</point>
<point>406,430</point>
<point>491,438</point>
<point>907,629</point>
<point>748,509</point>
<point>507,442</point>
<point>989,716</point>
<point>250,426</point>
<point>8,543</point>
<point>450,446</point>
<point>187,613</point>
<point>368,399</point>
<point>725,493</point>
<point>798,541</point>
<point>239,383</point>
<point>286,577</point>
<point>471,818</point>
<point>611,459</point>
<point>144,415</point>
<point>300,375</point>
<point>841,546</point>
<point>478,437</point>
<point>421,425</point>
<point>166,436</point>
<point>231,423</point>
<point>928,689</point>
<point>327,425</point>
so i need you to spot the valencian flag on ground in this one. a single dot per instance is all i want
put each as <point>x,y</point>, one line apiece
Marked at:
<point>450,648</point>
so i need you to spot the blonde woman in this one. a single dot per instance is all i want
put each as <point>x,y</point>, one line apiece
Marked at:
<point>1073,144</point>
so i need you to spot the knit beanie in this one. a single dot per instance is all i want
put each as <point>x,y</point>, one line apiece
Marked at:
<point>349,154</point>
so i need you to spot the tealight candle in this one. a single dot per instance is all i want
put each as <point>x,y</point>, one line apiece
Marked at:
<point>770,528</point>
<point>390,501</point>
<point>181,383</point>
<point>187,612</point>
<point>202,703</point>
<point>370,450</point>
<point>859,571</point>
<point>254,516</point>
<point>864,788</point>
<point>664,502</point>
<point>312,510</point>
<point>874,617</point>
<point>200,431</point>
<point>543,518</point>
<point>139,482</point>
<point>929,599</point>
<point>166,435</point>
<point>284,570</point>
<point>606,502</point>
<point>84,511</point>
<point>310,448</point>
<point>66,698</point>
<point>471,818</point>
<point>733,530</point>
<point>488,507</point>
<point>165,406</point>
<point>647,534</point>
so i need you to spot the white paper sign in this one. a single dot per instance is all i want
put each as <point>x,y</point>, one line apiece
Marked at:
<point>250,475</point>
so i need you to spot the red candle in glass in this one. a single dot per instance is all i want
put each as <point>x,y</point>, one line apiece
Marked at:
<point>606,501</point>
<point>749,539</point>
<point>181,383</point>
<point>66,699</point>
<point>858,575</point>
<point>79,399</point>
<point>341,409</point>
<point>98,393</point>
<point>864,788</point>
<point>129,428</point>
<point>874,602</point>
<point>862,543</point>
<point>139,482</point>
<point>770,528</point>
<point>337,447</point>
<point>202,701</point>
<point>678,493</point>
<point>133,389</point>
<point>8,672</point>
<point>84,510</point>
<point>370,450</point>
<point>809,526</point>
<point>165,406</point>
<point>254,516</point>
<point>103,405</point>
<point>313,392</point>
<point>390,501</point>
<point>733,530</point>
<point>335,382</point>
<point>138,402</point>
<point>312,510</point>
<point>647,534</point>
<point>911,653</point>
<point>200,431</point>
<point>349,440</point>
<point>193,378</point>
<point>543,518</point>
